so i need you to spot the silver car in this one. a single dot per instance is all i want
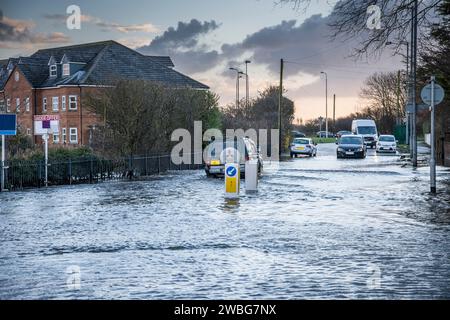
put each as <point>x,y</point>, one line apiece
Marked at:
<point>303,146</point>
<point>241,149</point>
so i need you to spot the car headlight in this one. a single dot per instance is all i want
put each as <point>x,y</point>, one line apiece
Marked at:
<point>394,144</point>
<point>360,149</point>
<point>340,149</point>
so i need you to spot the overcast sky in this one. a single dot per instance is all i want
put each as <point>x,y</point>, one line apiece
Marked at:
<point>206,37</point>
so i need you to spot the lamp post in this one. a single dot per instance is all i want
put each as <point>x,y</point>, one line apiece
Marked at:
<point>326,103</point>
<point>247,93</point>
<point>408,87</point>
<point>237,85</point>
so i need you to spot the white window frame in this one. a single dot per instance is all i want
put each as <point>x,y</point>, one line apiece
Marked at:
<point>75,101</point>
<point>16,76</point>
<point>55,102</point>
<point>73,141</point>
<point>63,103</point>
<point>27,104</point>
<point>53,70</point>
<point>8,105</point>
<point>44,104</point>
<point>17,105</point>
<point>64,135</point>
<point>56,138</point>
<point>66,69</point>
<point>28,131</point>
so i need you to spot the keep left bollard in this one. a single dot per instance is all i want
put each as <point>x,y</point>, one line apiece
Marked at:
<point>232,180</point>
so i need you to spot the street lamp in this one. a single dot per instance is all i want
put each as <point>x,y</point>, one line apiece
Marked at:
<point>238,75</point>
<point>408,87</point>
<point>326,103</point>
<point>246,82</point>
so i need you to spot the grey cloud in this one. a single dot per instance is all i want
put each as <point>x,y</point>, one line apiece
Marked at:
<point>182,44</point>
<point>186,35</point>
<point>18,31</point>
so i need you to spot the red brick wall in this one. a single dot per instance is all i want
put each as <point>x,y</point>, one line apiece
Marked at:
<point>80,118</point>
<point>21,89</point>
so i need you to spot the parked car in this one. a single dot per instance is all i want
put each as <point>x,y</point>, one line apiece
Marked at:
<point>298,134</point>
<point>323,134</point>
<point>367,129</point>
<point>303,146</point>
<point>216,154</point>
<point>387,143</point>
<point>342,132</point>
<point>351,146</point>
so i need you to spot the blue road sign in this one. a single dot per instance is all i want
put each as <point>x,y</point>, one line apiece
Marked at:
<point>231,171</point>
<point>8,124</point>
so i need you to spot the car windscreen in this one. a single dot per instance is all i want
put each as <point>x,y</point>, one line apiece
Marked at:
<point>367,130</point>
<point>350,140</point>
<point>301,141</point>
<point>387,138</point>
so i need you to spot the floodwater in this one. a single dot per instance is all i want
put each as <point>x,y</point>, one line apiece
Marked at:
<point>318,228</point>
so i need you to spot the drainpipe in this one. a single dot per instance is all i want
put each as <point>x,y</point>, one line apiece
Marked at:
<point>81,118</point>
<point>35,113</point>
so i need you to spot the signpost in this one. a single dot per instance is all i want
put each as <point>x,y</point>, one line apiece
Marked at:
<point>432,94</point>
<point>44,125</point>
<point>8,127</point>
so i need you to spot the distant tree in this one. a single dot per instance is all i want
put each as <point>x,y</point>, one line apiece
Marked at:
<point>261,113</point>
<point>386,98</point>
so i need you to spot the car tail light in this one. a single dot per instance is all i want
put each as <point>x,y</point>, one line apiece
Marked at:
<point>247,158</point>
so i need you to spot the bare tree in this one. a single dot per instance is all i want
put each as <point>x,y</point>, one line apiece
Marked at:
<point>385,98</point>
<point>349,20</point>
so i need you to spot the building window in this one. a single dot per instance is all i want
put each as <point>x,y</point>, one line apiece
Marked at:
<point>2,106</point>
<point>64,135</point>
<point>72,102</point>
<point>53,72</point>
<point>66,69</point>
<point>44,104</point>
<point>55,104</point>
<point>16,76</point>
<point>27,104</point>
<point>63,103</point>
<point>8,105</point>
<point>56,138</point>
<point>29,131</point>
<point>17,104</point>
<point>73,137</point>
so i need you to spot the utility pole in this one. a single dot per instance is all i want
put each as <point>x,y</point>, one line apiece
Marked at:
<point>398,99</point>
<point>414,86</point>
<point>334,113</point>
<point>326,103</point>
<point>433,140</point>
<point>280,99</point>
<point>247,93</point>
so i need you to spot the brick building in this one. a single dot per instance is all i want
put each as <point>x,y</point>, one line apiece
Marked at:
<point>54,81</point>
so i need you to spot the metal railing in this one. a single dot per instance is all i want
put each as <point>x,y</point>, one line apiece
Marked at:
<point>31,174</point>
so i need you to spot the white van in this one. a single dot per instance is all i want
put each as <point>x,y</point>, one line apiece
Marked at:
<point>367,129</point>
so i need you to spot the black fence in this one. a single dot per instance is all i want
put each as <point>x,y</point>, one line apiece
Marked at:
<point>31,174</point>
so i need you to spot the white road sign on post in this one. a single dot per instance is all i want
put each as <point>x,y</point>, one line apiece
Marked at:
<point>45,125</point>
<point>432,94</point>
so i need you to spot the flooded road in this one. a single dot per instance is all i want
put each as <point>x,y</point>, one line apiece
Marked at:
<point>318,228</point>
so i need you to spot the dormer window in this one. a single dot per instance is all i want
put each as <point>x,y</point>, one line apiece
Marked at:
<point>66,69</point>
<point>53,70</point>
